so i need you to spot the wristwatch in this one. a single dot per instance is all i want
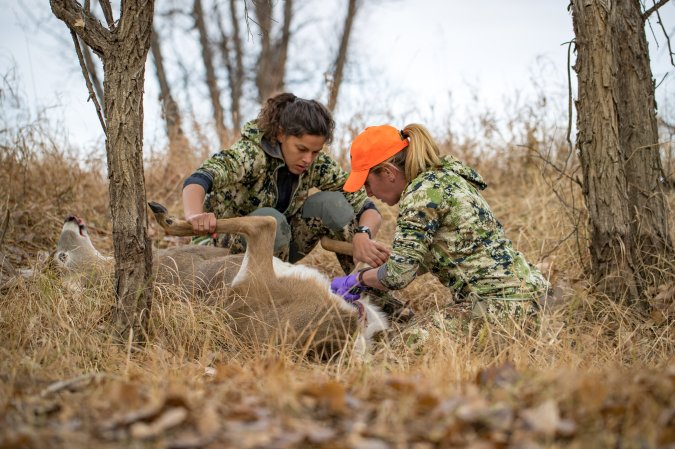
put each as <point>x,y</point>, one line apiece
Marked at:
<point>365,230</point>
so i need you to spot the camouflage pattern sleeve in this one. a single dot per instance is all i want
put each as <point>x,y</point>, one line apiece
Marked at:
<point>241,161</point>
<point>420,215</point>
<point>328,176</point>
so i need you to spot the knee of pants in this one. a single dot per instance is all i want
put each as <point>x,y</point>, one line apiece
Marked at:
<point>332,208</point>
<point>283,236</point>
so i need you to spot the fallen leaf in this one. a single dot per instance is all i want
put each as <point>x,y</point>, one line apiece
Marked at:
<point>543,419</point>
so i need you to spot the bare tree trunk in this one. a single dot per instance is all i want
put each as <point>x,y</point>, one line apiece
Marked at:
<point>123,46</point>
<point>237,85</point>
<point>273,54</point>
<point>211,81</point>
<point>263,13</point>
<point>233,63</point>
<point>639,137</point>
<point>178,143</point>
<point>341,59</point>
<point>618,144</point>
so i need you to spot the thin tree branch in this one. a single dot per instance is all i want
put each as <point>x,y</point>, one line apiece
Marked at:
<point>108,14</point>
<point>93,73</point>
<point>248,19</point>
<point>650,11</point>
<point>569,106</point>
<point>665,33</point>
<point>87,80</point>
<point>547,161</point>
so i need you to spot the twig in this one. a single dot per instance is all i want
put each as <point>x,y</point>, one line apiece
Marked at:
<point>665,33</point>
<point>87,80</point>
<point>248,18</point>
<point>559,244</point>
<point>107,13</point>
<point>646,14</point>
<point>569,105</point>
<point>552,165</point>
<point>63,384</point>
<point>5,225</point>
<point>661,82</point>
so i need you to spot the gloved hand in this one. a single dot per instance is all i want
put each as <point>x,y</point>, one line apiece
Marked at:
<point>347,286</point>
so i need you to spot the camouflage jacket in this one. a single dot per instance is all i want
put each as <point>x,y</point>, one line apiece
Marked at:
<point>446,227</point>
<point>245,178</point>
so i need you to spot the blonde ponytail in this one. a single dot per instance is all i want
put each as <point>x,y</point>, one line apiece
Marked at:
<point>423,153</point>
<point>419,156</point>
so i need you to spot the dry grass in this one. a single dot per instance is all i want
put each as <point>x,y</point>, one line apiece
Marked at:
<point>596,373</point>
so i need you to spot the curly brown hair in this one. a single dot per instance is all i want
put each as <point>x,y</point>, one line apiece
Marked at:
<point>295,116</point>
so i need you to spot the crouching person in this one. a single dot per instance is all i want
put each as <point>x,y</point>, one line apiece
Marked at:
<point>270,171</point>
<point>444,226</point>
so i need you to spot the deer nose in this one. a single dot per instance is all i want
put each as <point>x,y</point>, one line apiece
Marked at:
<point>70,217</point>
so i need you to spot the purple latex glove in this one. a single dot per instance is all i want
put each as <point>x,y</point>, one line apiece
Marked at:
<point>347,286</point>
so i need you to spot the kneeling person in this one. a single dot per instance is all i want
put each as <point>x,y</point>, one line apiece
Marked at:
<point>444,225</point>
<point>269,171</point>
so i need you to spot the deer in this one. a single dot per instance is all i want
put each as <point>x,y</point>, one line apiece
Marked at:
<point>269,301</point>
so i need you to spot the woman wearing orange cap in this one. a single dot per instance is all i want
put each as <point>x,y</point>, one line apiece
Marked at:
<point>444,225</point>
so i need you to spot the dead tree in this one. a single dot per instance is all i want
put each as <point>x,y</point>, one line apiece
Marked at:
<point>211,80</point>
<point>617,140</point>
<point>123,47</point>
<point>341,58</point>
<point>271,64</point>
<point>178,142</point>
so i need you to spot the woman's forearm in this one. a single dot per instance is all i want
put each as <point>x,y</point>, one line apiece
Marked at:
<point>368,278</point>
<point>193,200</point>
<point>372,219</point>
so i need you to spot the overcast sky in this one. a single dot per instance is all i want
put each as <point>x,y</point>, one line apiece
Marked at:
<point>415,60</point>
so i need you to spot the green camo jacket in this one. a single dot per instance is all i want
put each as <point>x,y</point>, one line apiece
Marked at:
<point>245,178</point>
<point>446,227</point>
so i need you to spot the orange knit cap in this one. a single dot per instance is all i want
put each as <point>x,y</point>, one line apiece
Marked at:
<point>373,146</point>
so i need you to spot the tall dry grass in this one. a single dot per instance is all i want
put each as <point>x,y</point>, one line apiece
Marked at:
<point>595,373</point>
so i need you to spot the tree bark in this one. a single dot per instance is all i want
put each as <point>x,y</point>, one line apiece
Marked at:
<point>618,144</point>
<point>238,79</point>
<point>231,52</point>
<point>639,137</point>
<point>123,49</point>
<point>341,58</point>
<point>273,52</point>
<point>211,80</point>
<point>178,143</point>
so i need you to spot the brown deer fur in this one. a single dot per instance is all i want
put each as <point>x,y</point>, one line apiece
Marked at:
<point>269,301</point>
